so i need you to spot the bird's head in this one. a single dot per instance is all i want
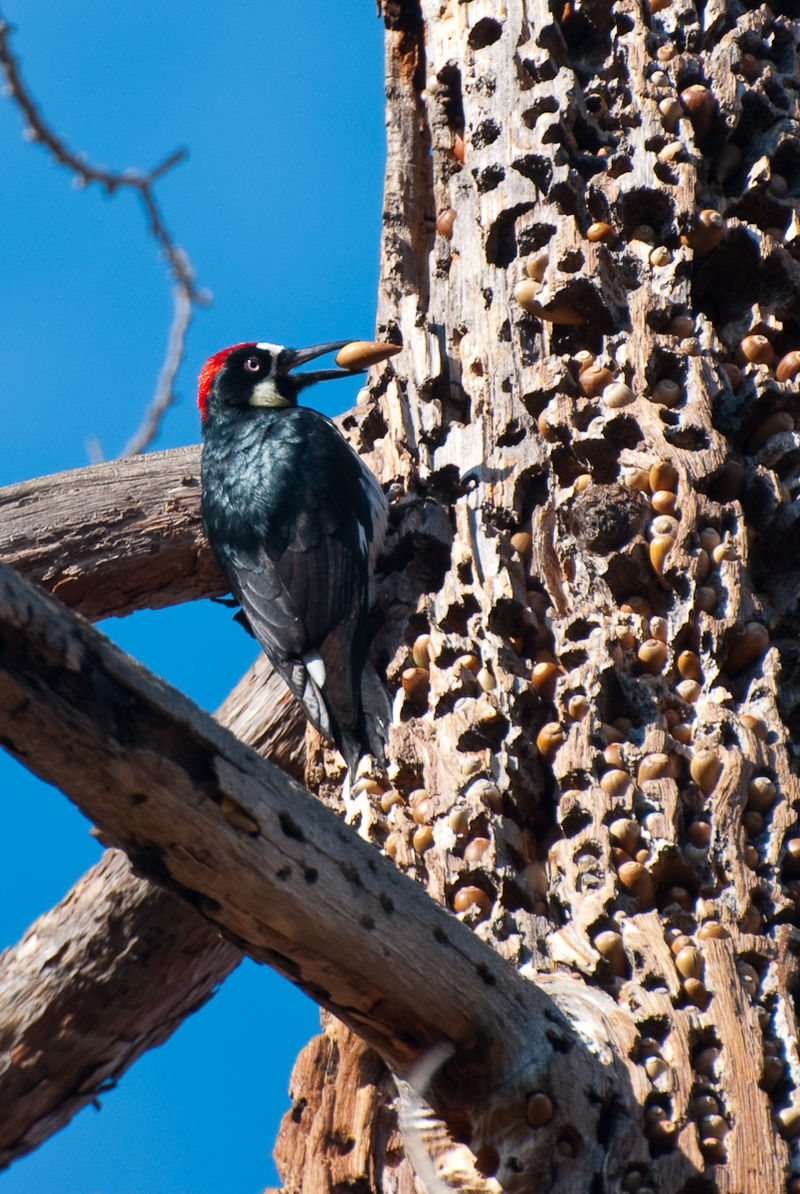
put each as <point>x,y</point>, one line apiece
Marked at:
<point>261,375</point>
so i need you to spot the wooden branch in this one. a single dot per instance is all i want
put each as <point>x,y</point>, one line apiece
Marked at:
<point>113,537</point>
<point>79,1006</point>
<point>275,870</point>
<point>70,1030</point>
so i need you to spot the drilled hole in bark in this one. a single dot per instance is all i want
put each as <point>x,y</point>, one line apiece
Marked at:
<point>449,78</point>
<point>530,491</point>
<point>489,179</point>
<point>626,433</point>
<point>723,281</point>
<point>501,241</point>
<point>484,33</point>
<point>290,828</point>
<point>644,206</point>
<point>575,820</point>
<point>541,106</point>
<point>456,620</point>
<point>513,434</point>
<point>600,457</point>
<point>631,574</point>
<point>691,439</point>
<point>484,733</point>
<point>485,134</point>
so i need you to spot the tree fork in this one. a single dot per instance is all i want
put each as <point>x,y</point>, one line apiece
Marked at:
<point>286,881</point>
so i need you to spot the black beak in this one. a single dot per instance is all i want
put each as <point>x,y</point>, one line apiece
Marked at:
<point>291,357</point>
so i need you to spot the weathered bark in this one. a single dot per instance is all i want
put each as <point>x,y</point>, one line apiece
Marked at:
<point>283,878</point>
<point>119,536</point>
<point>116,967</point>
<point>631,815</point>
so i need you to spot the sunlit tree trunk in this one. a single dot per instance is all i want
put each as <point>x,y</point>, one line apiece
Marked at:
<point>588,604</point>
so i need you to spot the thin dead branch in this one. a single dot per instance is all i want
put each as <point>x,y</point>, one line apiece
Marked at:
<point>186,293</point>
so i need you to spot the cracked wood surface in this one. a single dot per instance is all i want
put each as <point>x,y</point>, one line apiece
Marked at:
<point>276,871</point>
<point>594,765</point>
<point>119,963</point>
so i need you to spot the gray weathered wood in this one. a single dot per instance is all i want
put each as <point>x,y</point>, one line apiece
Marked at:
<point>117,965</point>
<point>113,537</point>
<point>279,873</point>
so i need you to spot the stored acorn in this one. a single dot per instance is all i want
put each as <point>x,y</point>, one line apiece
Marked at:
<point>536,266</point>
<point>549,738</point>
<point>661,256</point>
<point>705,769</point>
<point>671,111</point>
<point>656,765</point>
<point>700,106</point>
<point>422,838</point>
<point>601,232</point>
<point>681,325</point>
<point>667,392</point>
<point>445,222</point>
<point>689,962</point>
<point>539,1109</point>
<point>608,944</point>
<point>526,294</point>
<point>360,354</point>
<point>638,881</point>
<point>421,650</point>
<point>664,501</point>
<point>788,366</point>
<point>522,542</point>
<point>747,646</point>
<point>689,666</point>
<point>652,655</point>
<point>756,349</point>
<point>761,793</point>
<point>617,394</point>
<point>616,783</point>
<point>415,681</point>
<point>472,897</point>
<point>660,547</point>
<point>778,423</point>
<point>476,848</point>
<point>594,379</point>
<point>706,233</point>
<point>544,678</point>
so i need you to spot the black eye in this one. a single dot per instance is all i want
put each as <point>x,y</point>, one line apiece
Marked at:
<point>253,365</point>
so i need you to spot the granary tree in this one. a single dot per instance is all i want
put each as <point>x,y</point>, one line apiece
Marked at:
<point>586,613</point>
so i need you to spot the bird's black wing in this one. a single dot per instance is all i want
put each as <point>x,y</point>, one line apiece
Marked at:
<point>298,561</point>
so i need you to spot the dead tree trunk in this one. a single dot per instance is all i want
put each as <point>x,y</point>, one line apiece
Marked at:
<point>589,601</point>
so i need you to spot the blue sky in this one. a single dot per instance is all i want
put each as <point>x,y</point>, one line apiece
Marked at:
<point>278,206</point>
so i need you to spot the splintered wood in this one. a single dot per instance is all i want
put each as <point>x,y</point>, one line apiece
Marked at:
<point>588,605</point>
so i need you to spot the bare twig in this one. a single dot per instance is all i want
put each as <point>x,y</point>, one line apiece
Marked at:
<point>165,395</point>
<point>186,293</point>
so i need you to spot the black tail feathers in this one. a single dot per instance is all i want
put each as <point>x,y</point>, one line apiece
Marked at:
<point>369,735</point>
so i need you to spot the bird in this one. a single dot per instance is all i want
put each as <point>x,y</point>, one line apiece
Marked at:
<point>296,521</point>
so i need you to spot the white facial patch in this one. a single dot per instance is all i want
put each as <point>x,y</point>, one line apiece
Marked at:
<point>266,394</point>
<point>316,669</point>
<point>275,349</point>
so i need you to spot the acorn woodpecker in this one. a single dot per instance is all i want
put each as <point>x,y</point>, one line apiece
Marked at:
<point>296,520</point>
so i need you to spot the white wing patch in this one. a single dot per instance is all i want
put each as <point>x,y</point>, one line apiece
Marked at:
<point>316,669</point>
